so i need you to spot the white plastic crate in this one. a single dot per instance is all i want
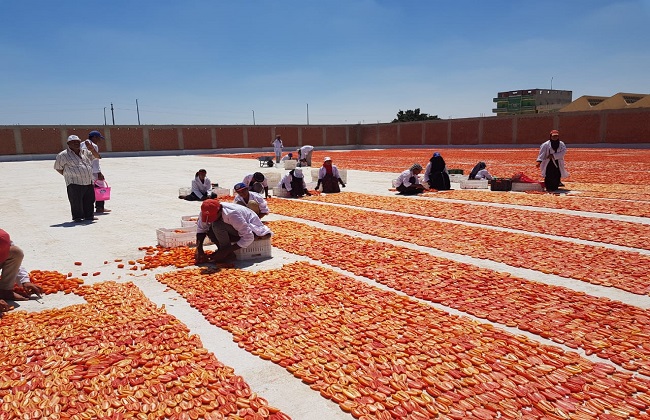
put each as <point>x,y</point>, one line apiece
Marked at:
<point>281,192</point>
<point>182,236</point>
<point>221,191</point>
<point>272,178</point>
<point>457,177</point>
<point>260,248</point>
<point>474,184</point>
<point>183,191</point>
<point>290,164</point>
<point>527,186</point>
<point>187,221</point>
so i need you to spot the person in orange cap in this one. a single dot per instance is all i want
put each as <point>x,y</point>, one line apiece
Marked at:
<point>551,161</point>
<point>230,226</point>
<point>11,258</point>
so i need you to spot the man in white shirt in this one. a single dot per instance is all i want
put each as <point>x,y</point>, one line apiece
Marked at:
<point>75,164</point>
<point>230,226</point>
<point>12,273</point>
<point>98,178</point>
<point>250,199</point>
<point>304,153</point>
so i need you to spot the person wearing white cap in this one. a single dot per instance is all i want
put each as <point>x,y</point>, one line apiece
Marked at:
<point>294,182</point>
<point>98,178</point>
<point>76,166</point>
<point>328,175</point>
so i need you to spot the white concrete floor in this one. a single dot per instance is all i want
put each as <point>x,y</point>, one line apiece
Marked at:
<point>36,213</point>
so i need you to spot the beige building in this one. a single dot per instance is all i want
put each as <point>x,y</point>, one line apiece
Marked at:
<point>619,101</point>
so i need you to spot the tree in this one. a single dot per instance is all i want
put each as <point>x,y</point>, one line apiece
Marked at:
<point>413,115</point>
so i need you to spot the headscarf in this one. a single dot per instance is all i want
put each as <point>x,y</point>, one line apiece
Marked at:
<point>477,167</point>
<point>437,163</point>
<point>555,144</point>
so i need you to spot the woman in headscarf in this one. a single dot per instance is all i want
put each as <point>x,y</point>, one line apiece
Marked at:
<point>329,177</point>
<point>294,183</point>
<point>551,161</point>
<point>201,187</point>
<point>480,172</point>
<point>436,173</point>
<point>408,183</point>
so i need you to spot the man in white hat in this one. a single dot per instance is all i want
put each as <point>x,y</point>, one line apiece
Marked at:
<point>76,166</point>
<point>294,182</point>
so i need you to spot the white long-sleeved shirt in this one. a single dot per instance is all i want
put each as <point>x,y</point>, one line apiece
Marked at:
<point>285,182</point>
<point>96,168</point>
<point>277,145</point>
<point>242,219</point>
<point>306,149</point>
<point>201,188</point>
<point>322,171</point>
<point>249,178</point>
<point>483,174</point>
<point>404,179</point>
<point>261,202</point>
<point>546,152</point>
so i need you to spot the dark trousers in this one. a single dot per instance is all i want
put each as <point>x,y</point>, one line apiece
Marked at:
<point>81,198</point>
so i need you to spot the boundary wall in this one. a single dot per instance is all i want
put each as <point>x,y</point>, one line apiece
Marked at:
<point>611,127</point>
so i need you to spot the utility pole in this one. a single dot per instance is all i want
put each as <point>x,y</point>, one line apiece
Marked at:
<point>551,83</point>
<point>253,116</point>
<point>113,113</point>
<point>137,109</point>
<point>307,114</point>
<point>104,115</point>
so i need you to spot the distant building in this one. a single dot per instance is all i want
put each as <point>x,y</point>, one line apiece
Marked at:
<point>531,101</point>
<point>619,101</point>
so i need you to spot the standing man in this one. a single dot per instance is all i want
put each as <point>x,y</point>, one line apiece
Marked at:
<point>277,148</point>
<point>94,137</point>
<point>76,166</point>
<point>304,153</point>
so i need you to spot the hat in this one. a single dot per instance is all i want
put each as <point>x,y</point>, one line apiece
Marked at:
<point>555,133</point>
<point>240,186</point>
<point>416,167</point>
<point>436,154</point>
<point>73,138</point>
<point>327,158</point>
<point>258,176</point>
<point>95,133</point>
<point>210,210</point>
<point>5,244</point>
<point>298,173</point>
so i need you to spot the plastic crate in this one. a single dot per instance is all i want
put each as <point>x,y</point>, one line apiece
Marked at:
<point>474,184</point>
<point>281,192</point>
<point>184,191</point>
<point>457,177</point>
<point>501,184</point>
<point>272,178</point>
<point>290,164</point>
<point>260,248</point>
<point>187,221</point>
<point>182,236</point>
<point>527,186</point>
<point>455,172</point>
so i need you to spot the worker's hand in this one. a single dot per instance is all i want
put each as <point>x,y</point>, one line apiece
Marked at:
<point>538,163</point>
<point>4,306</point>
<point>100,176</point>
<point>342,185</point>
<point>32,289</point>
<point>88,144</point>
<point>317,185</point>
<point>307,193</point>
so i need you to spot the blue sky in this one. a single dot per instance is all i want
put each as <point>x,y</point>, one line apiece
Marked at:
<point>334,62</point>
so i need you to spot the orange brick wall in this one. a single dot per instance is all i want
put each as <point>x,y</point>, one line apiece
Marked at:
<point>7,142</point>
<point>629,126</point>
<point>197,138</point>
